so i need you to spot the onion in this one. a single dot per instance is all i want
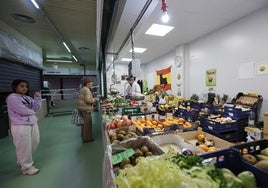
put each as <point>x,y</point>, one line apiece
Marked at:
<point>124,117</point>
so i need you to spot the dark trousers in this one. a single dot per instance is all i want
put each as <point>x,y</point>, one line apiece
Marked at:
<point>86,128</point>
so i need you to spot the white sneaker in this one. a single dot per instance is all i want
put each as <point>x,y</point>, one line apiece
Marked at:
<point>30,171</point>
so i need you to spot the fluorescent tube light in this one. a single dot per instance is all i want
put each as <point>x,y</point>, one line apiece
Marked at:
<point>159,30</point>
<point>138,50</point>
<point>74,58</point>
<point>67,47</point>
<point>35,4</point>
<point>59,61</point>
<point>126,59</point>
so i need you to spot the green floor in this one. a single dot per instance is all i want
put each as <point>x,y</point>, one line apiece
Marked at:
<point>63,159</point>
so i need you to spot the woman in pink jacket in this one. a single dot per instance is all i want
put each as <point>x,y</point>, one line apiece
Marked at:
<point>23,123</point>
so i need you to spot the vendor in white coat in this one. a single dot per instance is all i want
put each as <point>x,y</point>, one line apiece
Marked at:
<point>131,88</point>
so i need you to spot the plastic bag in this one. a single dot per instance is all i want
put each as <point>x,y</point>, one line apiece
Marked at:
<point>77,118</point>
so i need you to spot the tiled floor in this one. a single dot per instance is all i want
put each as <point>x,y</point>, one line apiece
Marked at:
<point>63,159</point>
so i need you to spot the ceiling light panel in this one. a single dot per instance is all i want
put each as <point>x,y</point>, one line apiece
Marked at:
<point>159,30</point>
<point>126,59</point>
<point>138,50</point>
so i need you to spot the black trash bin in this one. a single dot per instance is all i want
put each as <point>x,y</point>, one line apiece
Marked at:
<point>4,123</point>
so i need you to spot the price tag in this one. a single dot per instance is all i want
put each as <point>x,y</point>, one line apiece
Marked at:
<point>117,158</point>
<point>162,117</point>
<point>133,118</point>
<point>169,115</point>
<point>155,116</point>
<point>149,116</point>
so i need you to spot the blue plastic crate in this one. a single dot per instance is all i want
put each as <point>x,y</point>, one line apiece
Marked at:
<point>217,127</point>
<point>235,113</point>
<point>231,159</point>
<point>230,136</point>
<point>197,105</point>
<point>187,115</point>
<point>252,147</point>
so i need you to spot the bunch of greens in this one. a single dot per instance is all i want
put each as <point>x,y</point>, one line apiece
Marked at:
<point>120,102</point>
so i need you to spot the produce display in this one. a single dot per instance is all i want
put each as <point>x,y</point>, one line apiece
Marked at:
<point>205,144</point>
<point>167,124</point>
<point>172,142</point>
<point>259,160</point>
<point>149,123</point>
<point>173,121</point>
<point>118,121</point>
<point>139,153</point>
<point>121,134</point>
<point>169,170</point>
<point>205,141</point>
<point>151,163</point>
<point>245,179</point>
<point>142,147</point>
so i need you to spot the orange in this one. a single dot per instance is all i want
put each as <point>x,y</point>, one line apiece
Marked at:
<point>187,124</point>
<point>160,126</point>
<point>201,137</point>
<point>244,150</point>
<point>154,122</point>
<point>181,121</point>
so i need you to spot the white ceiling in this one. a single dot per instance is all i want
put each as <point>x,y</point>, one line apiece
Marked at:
<point>76,21</point>
<point>192,19</point>
<point>73,20</point>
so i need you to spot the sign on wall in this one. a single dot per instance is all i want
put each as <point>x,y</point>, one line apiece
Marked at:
<point>262,68</point>
<point>211,77</point>
<point>163,79</point>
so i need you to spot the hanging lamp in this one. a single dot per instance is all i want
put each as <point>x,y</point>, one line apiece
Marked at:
<point>165,16</point>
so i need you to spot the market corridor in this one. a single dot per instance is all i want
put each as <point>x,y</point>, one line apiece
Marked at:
<point>63,159</point>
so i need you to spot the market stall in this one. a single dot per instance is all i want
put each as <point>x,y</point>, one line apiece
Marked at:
<point>135,133</point>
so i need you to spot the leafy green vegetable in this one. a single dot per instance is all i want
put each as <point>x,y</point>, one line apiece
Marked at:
<point>187,161</point>
<point>161,172</point>
<point>120,102</point>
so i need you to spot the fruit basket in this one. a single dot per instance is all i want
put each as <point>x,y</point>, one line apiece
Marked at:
<point>231,159</point>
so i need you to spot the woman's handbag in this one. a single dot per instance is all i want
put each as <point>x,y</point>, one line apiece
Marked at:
<point>77,118</point>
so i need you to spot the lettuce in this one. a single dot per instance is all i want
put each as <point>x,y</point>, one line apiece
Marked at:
<point>160,172</point>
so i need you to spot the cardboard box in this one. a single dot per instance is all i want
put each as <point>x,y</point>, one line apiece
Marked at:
<point>254,133</point>
<point>265,125</point>
<point>174,142</point>
<point>191,137</point>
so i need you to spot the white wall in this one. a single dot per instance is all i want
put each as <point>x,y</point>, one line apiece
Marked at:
<point>120,69</point>
<point>243,41</point>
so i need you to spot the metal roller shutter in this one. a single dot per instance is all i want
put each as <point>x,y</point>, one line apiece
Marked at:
<point>12,70</point>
